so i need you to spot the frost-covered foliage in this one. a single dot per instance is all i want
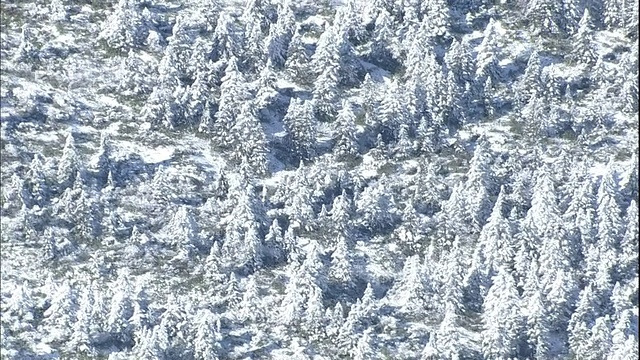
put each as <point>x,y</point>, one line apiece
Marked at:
<point>272,179</point>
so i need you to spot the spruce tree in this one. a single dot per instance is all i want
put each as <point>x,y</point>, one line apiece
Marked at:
<point>583,51</point>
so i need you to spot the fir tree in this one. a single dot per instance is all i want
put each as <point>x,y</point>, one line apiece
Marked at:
<point>501,319</point>
<point>299,123</point>
<point>124,27</point>
<point>346,141</point>
<point>583,51</point>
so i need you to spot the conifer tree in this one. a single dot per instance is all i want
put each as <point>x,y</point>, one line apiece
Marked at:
<point>599,342</point>
<point>249,140</point>
<point>182,232</point>
<point>384,47</point>
<point>299,123</point>
<point>68,165</point>
<point>531,83</point>
<point>124,27</point>
<point>392,112</point>
<point>629,244</point>
<point>61,314</point>
<point>612,14</point>
<point>437,13</point>
<point>206,338</point>
<point>486,60</point>
<point>346,141</point>
<point>80,340</point>
<point>409,292</point>
<point>583,51</point>
<point>342,267</point>
<point>500,317</point>
<point>297,64</point>
<point>583,318</point>
<point>545,17</point>
<point>495,250</point>
<point>571,11</point>
<point>537,318</point>
<point>121,310</point>
<point>609,224</point>
<point>26,49</point>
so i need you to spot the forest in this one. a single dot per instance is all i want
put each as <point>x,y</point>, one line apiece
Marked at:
<point>319,179</point>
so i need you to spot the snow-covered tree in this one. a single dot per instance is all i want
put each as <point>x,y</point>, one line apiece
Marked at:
<point>409,292</point>
<point>501,318</point>
<point>299,123</point>
<point>69,163</point>
<point>545,17</point>
<point>346,141</point>
<point>206,340</point>
<point>125,27</point>
<point>486,60</point>
<point>583,48</point>
<point>182,232</point>
<point>26,50</point>
<point>342,266</point>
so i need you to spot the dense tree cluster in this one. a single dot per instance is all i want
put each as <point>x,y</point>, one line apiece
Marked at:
<point>370,179</point>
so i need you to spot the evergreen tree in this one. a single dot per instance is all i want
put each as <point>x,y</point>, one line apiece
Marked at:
<point>121,310</point>
<point>384,47</point>
<point>486,60</point>
<point>479,185</point>
<point>453,276</point>
<point>629,244</point>
<point>297,63</point>
<point>299,124</point>
<point>125,27</point>
<point>621,336</point>
<point>500,317</point>
<point>599,342</point>
<point>537,318</point>
<point>392,112</point>
<point>80,340</point>
<point>375,208</point>
<point>364,349</point>
<point>560,299</point>
<point>232,92</point>
<point>613,14</point>
<point>571,10</point>
<point>531,83</point>
<point>182,232</point>
<point>61,314</point>
<point>545,17</point>
<point>445,343</point>
<point>495,249</point>
<point>280,36</point>
<point>243,245</point>
<point>346,141</point>
<point>249,140</point>
<point>609,225</point>
<point>437,13</point>
<point>583,318</point>
<point>69,164</point>
<point>206,338</point>
<point>583,51</point>
<point>26,50</point>
<point>409,292</point>
<point>342,267</point>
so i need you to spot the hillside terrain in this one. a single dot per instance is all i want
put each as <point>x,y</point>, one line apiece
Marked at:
<point>357,179</point>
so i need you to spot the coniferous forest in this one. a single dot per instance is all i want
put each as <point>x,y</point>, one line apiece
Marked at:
<point>319,179</point>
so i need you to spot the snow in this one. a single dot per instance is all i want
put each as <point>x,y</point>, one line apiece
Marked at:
<point>157,155</point>
<point>192,156</point>
<point>282,83</point>
<point>598,169</point>
<point>108,100</point>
